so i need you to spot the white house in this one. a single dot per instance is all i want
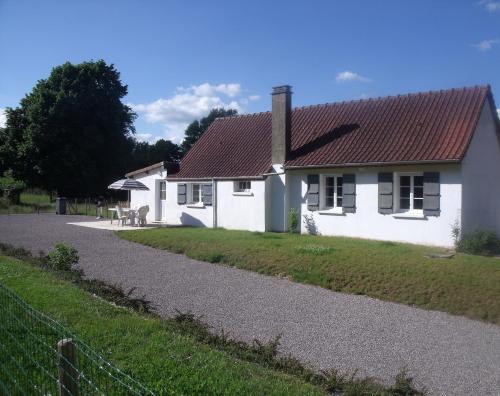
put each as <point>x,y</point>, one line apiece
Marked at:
<point>403,168</point>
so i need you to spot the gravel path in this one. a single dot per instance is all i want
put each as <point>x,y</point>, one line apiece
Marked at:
<point>449,355</point>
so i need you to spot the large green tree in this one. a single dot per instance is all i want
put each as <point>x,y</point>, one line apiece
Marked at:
<point>71,133</point>
<point>197,127</point>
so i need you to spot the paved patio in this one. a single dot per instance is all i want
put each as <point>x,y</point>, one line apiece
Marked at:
<point>106,225</point>
<point>449,355</point>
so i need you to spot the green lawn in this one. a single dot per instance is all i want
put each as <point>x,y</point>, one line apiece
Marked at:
<point>153,351</point>
<point>464,285</point>
<point>39,202</point>
<point>30,203</point>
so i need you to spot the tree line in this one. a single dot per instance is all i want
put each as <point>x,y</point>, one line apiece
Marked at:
<point>72,134</point>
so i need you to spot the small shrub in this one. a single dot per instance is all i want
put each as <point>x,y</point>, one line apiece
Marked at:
<point>293,220</point>
<point>214,257</point>
<point>62,257</point>
<point>310,225</point>
<point>116,295</point>
<point>60,261</point>
<point>455,232</point>
<point>481,242</point>
<point>404,385</point>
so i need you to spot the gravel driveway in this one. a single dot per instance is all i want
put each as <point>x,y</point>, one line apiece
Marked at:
<point>449,355</point>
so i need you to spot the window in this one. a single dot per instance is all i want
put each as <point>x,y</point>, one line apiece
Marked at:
<point>163,190</point>
<point>195,193</point>
<point>411,192</point>
<point>242,186</point>
<point>332,192</point>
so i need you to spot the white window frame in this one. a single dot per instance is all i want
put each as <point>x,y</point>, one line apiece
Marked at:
<point>322,194</point>
<point>397,192</point>
<point>163,190</point>
<point>190,195</point>
<point>246,188</point>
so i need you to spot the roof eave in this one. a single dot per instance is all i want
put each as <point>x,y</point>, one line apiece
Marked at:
<point>146,169</point>
<point>371,164</point>
<point>191,179</point>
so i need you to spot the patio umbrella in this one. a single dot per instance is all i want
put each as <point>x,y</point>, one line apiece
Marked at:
<point>127,184</point>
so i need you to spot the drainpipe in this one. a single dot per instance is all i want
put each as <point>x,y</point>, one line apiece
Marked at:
<point>214,203</point>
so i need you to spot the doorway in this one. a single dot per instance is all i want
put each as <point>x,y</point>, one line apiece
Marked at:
<point>161,200</point>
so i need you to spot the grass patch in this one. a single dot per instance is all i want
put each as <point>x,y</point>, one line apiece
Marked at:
<point>40,202</point>
<point>123,336</point>
<point>30,202</point>
<point>464,285</point>
<point>316,250</point>
<point>161,354</point>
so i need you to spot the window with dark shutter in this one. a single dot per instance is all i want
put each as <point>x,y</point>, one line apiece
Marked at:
<point>181,193</point>
<point>431,194</point>
<point>385,193</point>
<point>411,192</point>
<point>348,202</point>
<point>207,194</point>
<point>313,192</point>
<point>331,192</point>
<point>195,193</point>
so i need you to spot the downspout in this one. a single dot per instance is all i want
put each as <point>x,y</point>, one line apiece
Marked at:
<point>214,203</point>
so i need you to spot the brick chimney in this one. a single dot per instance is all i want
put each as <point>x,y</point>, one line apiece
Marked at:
<point>281,123</point>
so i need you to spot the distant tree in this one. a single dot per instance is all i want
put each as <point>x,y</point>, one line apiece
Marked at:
<point>196,128</point>
<point>71,133</point>
<point>145,154</point>
<point>165,150</point>
<point>3,165</point>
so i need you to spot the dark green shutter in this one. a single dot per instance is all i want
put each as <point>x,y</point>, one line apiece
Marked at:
<point>313,192</point>
<point>349,193</point>
<point>206,194</point>
<point>432,194</point>
<point>181,193</point>
<point>385,193</point>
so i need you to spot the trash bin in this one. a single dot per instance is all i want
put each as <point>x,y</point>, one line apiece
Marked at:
<point>61,205</point>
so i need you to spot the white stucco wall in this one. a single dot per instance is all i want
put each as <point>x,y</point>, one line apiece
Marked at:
<point>481,176</point>
<point>141,198</point>
<point>241,212</point>
<point>200,216</point>
<point>368,223</point>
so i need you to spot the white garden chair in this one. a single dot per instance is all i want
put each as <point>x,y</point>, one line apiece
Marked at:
<point>142,213</point>
<point>122,217</point>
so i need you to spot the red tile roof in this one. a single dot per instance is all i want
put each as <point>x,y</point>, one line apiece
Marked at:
<point>424,127</point>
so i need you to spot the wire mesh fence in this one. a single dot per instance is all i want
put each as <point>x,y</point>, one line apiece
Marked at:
<point>39,356</point>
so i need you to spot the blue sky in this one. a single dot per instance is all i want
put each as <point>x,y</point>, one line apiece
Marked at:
<point>180,58</point>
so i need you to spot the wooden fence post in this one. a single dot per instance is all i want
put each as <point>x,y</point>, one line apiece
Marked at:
<point>67,364</point>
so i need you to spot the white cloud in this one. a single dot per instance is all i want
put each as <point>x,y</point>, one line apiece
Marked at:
<point>490,6</point>
<point>189,103</point>
<point>207,89</point>
<point>147,137</point>
<point>486,45</point>
<point>347,76</point>
<point>254,97</point>
<point>3,117</point>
